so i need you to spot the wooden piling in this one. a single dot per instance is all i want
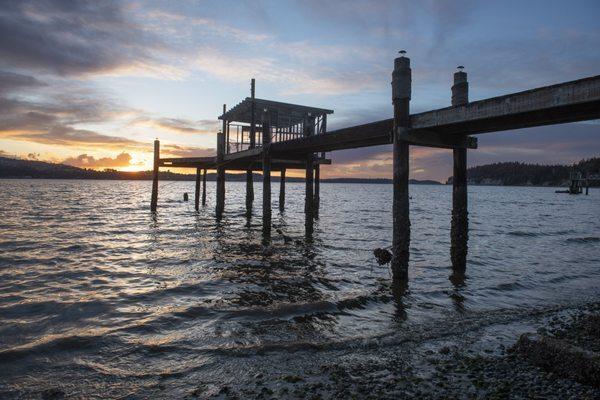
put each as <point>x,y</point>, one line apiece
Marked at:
<point>249,176</point>
<point>282,190</point>
<point>266,162</point>
<point>309,200</point>
<point>459,231</point>
<point>249,192</point>
<point>317,191</point>
<point>204,188</point>
<point>197,193</point>
<point>401,88</point>
<point>220,203</point>
<point>253,115</point>
<point>154,198</point>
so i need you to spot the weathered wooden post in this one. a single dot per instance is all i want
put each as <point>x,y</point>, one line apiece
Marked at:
<point>154,198</point>
<point>401,91</point>
<point>317,190</point>
<point>253,116</point>
<point>459,231</point>
<point>197,193</point>
<point>309,199</point>
<point>282,190</point>
<point>220,206</point>
<point>204,188</point>
<point>266,162</point>
<point>249,192</point>
<point>249,176</point>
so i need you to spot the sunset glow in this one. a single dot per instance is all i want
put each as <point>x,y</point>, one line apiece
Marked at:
<point>102,88</point>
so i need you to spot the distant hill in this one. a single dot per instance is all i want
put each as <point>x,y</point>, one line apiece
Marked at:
<point>24,169</point>
<point>521,174</point>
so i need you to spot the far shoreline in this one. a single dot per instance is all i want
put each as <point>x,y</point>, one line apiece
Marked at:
<point>288,180</point>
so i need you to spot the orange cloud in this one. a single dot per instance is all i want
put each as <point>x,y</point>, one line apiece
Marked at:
<point>87,161</point>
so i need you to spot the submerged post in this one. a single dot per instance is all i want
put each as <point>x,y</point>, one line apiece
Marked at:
<point>459,231</point>
<point>266,162</point>
<point>220,206</point>
<point>401,91</point>
<point>204,188</point>
<point>317,190</point>
<point>197,193</point>
<point>282,190</point>
<point>154,198</point>
<point>249,176</point>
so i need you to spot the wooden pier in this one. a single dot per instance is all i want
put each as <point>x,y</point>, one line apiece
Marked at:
<point>264,135</point>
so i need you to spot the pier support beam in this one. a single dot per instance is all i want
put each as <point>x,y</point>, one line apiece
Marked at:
<point>197,192</point>
<point>309,200</point>
<point>401,91</point>
<point>282,191</point>
<point>249,177</point>
<point>317,202</point>
<point>266,162</point>
<point>154,198</point>
<point>459,231</point>
<point>204,188</point>
<point>220,206</point>
<point>249,192</point>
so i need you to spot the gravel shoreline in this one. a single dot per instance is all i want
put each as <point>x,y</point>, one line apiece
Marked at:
<point>456,368</point>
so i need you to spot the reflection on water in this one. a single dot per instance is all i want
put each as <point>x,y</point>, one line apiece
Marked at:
<point>95,287</point>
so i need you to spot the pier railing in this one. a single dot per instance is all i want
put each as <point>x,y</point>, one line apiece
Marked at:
<point>238,135</point>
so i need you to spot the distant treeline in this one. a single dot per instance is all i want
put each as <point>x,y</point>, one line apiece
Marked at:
<point>504,174</point>
<point>521,174</point>
<point>15,168</point>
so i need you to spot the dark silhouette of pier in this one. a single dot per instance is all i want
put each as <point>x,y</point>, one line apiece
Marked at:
<point>264,135</point>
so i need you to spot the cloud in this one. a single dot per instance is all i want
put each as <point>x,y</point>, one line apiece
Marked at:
<point>87,161</point>
<point>165,20</point>
<point>180,125</point>
<point>10,81</point>
<point>68,136</point>
<point>50,115</point>
<point>186,151</point>
<point>293,80</point>
<point>74,37</point>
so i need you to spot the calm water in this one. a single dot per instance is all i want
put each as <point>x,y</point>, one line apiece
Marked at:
<point>98,293</point>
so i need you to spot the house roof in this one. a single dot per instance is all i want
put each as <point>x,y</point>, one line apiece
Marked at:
<point>287,113</point>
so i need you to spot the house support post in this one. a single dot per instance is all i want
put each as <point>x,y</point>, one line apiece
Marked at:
<point>249,176</point>
<point>197,192</point>
<point>249,192</point>
<point>317,190</point>
<point>266,162</point>
<point>220,206</point>
<point>204,188</point>
<point>282,190</point>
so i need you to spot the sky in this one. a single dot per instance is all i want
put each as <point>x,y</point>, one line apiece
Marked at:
<point>91,84</point>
